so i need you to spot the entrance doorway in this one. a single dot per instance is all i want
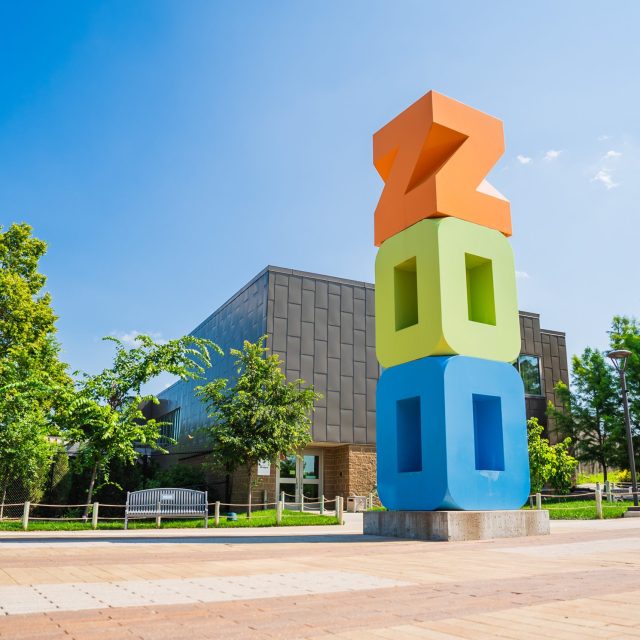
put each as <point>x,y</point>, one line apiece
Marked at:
<point>301,476</point>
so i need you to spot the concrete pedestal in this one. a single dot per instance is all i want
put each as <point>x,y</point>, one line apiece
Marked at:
<point>632,512</point>
<point>456,525</point>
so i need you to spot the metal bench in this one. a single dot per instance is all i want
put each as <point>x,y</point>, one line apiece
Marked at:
<point>173,503</point>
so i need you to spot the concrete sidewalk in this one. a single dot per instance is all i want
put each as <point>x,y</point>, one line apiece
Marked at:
<point>582,581</point>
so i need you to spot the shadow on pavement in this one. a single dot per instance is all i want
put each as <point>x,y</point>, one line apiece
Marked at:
<point>204,539</point>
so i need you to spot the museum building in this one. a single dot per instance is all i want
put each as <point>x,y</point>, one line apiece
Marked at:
<point>322,327</point>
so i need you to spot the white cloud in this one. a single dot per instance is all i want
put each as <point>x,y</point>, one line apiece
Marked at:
<point>523,159</point>
<point>612,154</point>
<point>130,338</point>
<point>603,137</point>
<point>552,154</point>
<point>522,275</point>
<point>606,179</point>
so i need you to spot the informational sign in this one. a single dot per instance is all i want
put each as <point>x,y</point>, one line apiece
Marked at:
<point>264,468</point>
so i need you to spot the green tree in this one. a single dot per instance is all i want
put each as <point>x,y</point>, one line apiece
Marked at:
<point>26,450</point>
<point>564,467</point>
<point>27,321</point>
<point>188,476</point>
<point>625,334</point>
<point>30,370</point>
<point>105,416</point>
<point>590,411</point>
<point>549,464</point>
<point>260,416</point>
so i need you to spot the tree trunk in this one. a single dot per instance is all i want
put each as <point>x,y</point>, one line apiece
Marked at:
<point>250,466</point>
<point>4,497</point>
<point>604,471</point>
<point>94,473</point>
<point>228,483</point>
<point>227,488</point>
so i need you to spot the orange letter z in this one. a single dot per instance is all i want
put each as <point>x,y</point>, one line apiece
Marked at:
<point>434,158</point>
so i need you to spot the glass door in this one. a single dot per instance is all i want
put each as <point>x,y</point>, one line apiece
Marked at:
<point>287,479</point>
<point>301,476</point>
<point>310,477</point>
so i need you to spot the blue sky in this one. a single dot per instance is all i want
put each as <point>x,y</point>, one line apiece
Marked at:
<point>168,151</point>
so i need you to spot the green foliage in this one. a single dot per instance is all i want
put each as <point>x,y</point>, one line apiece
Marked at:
<point>623,476</point>
<point>104,416</point>
<point>60,478</point>
<point>540,456</point>
<point>590,413</point>
<point>550,464</point>
<point>186,476</point>
<point>625,334</point>
<point>613,476</point>
<point>30,371</point>
<point>570,509</point>
<point>261,416</point>
<point>26,453</point>
<point>564,467</point>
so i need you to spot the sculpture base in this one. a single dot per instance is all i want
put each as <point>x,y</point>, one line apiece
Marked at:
<point>456,525</point>
<point>632,512</point>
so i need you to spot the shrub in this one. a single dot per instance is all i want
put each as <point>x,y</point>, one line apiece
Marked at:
<point>549,464</point>
<point>624,476</point>
<point>182,476</point>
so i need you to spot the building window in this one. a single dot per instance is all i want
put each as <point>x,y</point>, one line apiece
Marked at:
<point>171,429</point>
<point>529,368</point>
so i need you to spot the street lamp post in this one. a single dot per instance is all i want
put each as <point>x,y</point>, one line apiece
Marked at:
<point>619,359</point>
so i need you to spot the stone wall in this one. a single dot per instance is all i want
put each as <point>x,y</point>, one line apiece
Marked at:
<point>362,470</point>
<point>349,470</point>
<point>239,493</point>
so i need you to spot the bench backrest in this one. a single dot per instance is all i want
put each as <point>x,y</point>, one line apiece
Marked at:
<point>167,501</point>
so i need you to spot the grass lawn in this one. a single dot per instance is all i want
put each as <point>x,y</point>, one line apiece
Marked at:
<point>582,509</point>
<point>574,509</point>
<point>258,519</point>
<point>613,476</point>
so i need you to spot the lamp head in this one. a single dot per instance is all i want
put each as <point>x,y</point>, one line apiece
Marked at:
<point>619,358</point>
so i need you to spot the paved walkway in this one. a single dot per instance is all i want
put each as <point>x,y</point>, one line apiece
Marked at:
<point>583,581</point>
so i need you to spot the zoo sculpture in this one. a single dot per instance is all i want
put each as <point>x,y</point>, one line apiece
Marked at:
<point>451,421</point>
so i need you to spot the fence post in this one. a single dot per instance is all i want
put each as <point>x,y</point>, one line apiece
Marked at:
<point>341,510</point>
<point>538,501</point>
<point>279,507</point>
<point>282,497</point>
<point>301,501</point>
<point>158,517</point>
<point>264,499</point>
<point>322,504</point>
<point>94,515</point>
<point>607,485</point>
<point>216,513</point>
<point>598,504</point>
<point>25,515</point>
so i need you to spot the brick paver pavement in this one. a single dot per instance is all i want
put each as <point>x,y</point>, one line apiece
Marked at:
<point>583,581</point>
